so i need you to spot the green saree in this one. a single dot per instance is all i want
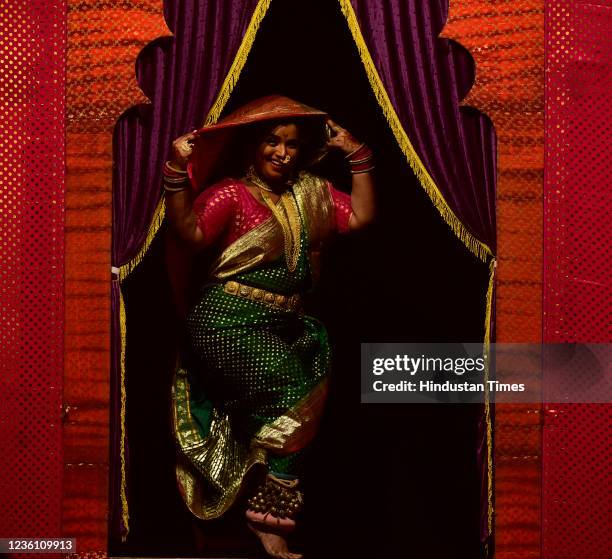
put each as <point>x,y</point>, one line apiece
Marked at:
<point>249,396</point>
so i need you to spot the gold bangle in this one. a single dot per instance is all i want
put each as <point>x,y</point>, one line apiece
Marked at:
<point>363,171</point>
<point>169,189</point>
<point>360,161</point>
<point>354,151</point>
<point>176,180</point>
<point>175,169</point>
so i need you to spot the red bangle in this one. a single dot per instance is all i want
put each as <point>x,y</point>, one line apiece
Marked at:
<point>361,153</point>
<point>349,155</point>
<point>363,167</point>
<point>362,160</point>
<point>172,172</point>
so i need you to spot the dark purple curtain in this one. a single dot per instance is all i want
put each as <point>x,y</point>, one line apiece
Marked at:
<point>182,77</point>
<point>426,77</point>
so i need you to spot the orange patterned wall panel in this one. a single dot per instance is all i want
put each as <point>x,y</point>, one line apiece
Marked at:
<point>104,39</point>
<point>506,40</point>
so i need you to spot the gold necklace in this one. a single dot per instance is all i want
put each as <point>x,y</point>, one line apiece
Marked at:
<point>252,176</point>
<point>287,215</point>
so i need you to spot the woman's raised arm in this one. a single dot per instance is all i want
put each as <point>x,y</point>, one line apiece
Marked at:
<point>361,160</point>
<point>179,195</point>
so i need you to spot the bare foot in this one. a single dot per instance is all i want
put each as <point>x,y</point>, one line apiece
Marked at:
<point>274,544</point>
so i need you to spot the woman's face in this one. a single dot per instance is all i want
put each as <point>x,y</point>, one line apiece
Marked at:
<point>276,155</point>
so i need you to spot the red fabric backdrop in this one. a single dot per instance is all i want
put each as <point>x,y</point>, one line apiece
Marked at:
<point>578,268</point>
<point>32,62</point>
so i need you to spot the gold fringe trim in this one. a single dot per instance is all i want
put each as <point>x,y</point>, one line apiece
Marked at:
<point>239,61</point>
<point>125,515</point>
<point>480,249</point>
<point>487,336</point>
<point>124,272</point>
<point>156,221</point>
<point>489,434</point>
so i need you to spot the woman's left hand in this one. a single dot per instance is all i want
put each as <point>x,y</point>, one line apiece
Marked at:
<point>342,139</point>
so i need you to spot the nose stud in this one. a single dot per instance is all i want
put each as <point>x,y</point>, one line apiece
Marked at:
<point>286,159</point>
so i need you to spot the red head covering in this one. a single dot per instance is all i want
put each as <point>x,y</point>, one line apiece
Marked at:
<point>212,140</point>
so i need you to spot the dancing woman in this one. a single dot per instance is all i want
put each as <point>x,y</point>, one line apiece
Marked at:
<point>249,396</point>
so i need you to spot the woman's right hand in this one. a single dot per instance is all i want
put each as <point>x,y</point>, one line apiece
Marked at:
<point>182,148</point>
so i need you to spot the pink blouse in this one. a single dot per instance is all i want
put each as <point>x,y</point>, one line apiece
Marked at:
<point>227,210</point>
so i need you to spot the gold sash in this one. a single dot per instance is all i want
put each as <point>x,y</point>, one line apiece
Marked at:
<point>264,243</point>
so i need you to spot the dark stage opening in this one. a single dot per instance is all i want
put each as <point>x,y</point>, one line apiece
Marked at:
<point>384,480</point>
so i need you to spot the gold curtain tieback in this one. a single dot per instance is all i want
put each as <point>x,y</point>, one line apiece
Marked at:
<point>284,302</point>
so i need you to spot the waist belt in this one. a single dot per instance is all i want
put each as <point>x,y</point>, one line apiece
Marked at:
<point>285,302</point>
